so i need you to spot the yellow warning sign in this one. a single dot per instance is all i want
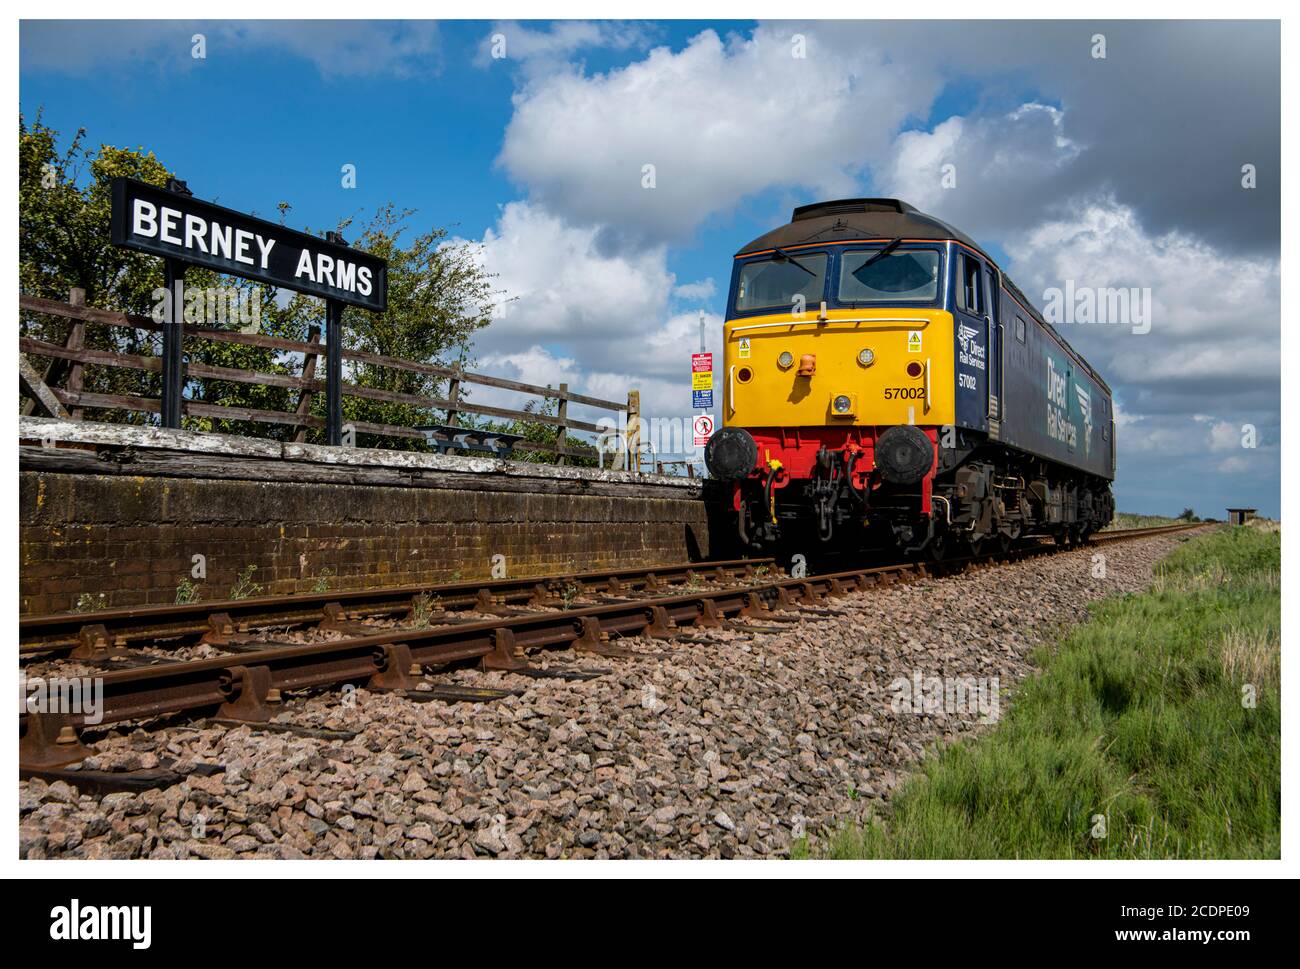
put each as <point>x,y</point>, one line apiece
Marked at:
<point>702,381</point>
<point>744,348</point>
<point>914,341</point>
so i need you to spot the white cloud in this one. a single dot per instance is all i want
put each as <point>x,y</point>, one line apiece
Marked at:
<point>564,286</point>
<point>983,175</point>
<point>539,51</point>
<point>1214,316</point>
<point>595,320</point>
<point>702,289</point>
<point>719,120</point>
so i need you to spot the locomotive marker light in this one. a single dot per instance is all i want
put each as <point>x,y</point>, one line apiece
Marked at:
<point>184,231</point>
<point>866,356</point>
<point>786,360</point>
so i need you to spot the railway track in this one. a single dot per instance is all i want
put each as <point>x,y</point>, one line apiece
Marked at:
<point>247,683</point>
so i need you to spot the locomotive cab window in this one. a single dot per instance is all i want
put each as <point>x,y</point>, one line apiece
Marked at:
<point>1020,329</point>
<point>780,280</point>
<point>909,275</point>
<point>968,292</point>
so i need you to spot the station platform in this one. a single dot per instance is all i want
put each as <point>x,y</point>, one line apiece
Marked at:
<point>113,515</point>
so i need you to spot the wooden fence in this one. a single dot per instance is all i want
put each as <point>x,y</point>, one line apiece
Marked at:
<point>69,360</point>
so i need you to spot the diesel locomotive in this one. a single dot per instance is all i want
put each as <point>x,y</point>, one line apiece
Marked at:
<point>885,385</point>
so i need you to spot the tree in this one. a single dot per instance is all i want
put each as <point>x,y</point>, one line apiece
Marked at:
<point>439,295</point>
<point>1188,515</point>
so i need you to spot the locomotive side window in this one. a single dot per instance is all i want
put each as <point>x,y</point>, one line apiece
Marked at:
<point>910,275</point>
<point>968,296</point>
<point>1020,329</point>
<point>780,281</point>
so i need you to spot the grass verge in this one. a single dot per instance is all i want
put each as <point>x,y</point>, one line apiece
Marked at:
<point>1150,731</point>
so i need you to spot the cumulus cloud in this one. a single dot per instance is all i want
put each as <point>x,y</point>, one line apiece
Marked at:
<point>566,287</point>
<point>597,320</point>
<point>540,50</point>
<point>987,175</point>
<point>1214,317</point>
<point>702,289</point>
<point>1209,366</point>
<point>718,120</point>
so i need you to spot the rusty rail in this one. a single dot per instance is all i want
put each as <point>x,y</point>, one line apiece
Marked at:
<point>66,631</point>
<point>244,687</point>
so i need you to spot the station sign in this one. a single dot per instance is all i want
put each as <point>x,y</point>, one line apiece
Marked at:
<point>153,220</point>
<point>702,377</point>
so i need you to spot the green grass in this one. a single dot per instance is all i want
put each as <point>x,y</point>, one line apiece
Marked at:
<point>1124,519</point>
<point>1138,716</point>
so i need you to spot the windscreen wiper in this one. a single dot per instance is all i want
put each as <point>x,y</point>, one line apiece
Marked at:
<point>889,247</point>
<point>789,258</point>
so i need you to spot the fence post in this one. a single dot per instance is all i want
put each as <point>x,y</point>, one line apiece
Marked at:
<point>333,372</point>
<point>562,435</point>
<point>453,394</point>
<point>76,341</point>
<point>633,441</point>
<point>309,363</point>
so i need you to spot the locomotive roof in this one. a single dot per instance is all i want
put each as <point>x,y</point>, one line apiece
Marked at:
<point>844,220</point>
<point>847,220</point>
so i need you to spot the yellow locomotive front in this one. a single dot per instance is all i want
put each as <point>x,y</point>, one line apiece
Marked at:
<point>838,373</point>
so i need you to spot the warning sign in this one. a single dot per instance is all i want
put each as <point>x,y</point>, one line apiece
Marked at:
<point>701,362</point>
<point>702,381</point>
<point>703,429</point>
<point>701,399</point>
<point>744,348</point>
<point>914,341</point>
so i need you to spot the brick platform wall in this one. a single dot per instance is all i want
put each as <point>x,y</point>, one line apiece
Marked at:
<point>132,537</point>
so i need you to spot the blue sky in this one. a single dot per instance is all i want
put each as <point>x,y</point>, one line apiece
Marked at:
<point>1119,171</point>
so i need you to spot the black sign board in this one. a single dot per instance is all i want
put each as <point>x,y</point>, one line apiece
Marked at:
<point>175,226</point>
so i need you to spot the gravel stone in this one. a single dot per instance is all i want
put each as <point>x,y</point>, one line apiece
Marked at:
<point>725,749</point>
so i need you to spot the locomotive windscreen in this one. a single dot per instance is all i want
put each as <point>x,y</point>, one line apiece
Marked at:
<point>778,281</point>
<point>898,276</point>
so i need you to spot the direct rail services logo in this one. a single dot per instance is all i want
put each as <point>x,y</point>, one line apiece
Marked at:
<point>102,923</point>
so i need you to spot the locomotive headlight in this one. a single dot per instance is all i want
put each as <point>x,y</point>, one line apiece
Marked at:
<point>866,356</point>
<point>786,360</point>
<point>842,404</point>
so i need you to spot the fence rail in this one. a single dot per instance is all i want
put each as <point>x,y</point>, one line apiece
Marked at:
<point>42,390</point>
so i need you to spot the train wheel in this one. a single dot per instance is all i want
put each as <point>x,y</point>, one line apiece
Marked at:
<point>1003,541</point>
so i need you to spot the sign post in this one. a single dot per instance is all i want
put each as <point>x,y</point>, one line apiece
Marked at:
<point>334,364</point>
<point>173,334</point>
<point>184,231</point>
